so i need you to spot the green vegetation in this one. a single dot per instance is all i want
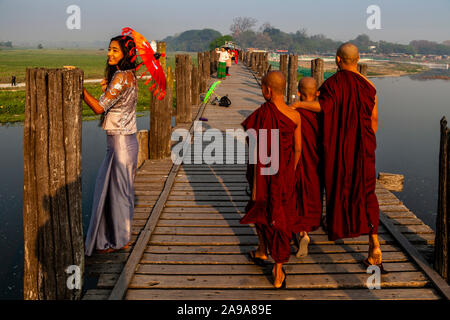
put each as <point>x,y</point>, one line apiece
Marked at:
<point>12,103</point>
<point>217,43</point>
<point>192,40</point>
<point>15,62</point>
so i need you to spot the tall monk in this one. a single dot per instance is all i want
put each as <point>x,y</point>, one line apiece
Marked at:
<point>273,206</point>
<point>310,169</point>
<point>349,105</point>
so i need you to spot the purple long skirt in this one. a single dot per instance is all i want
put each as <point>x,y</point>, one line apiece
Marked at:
<point>113,204</point>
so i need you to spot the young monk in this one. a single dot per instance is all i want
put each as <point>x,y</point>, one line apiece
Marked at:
<point>349,105</point>
<point>273,206</point>
<point>309,172</point>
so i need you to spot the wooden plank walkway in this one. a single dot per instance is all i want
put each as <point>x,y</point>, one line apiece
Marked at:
<point>197,248</point>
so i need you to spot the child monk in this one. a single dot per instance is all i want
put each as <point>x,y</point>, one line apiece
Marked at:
<point>309,171</point>
<point>273,206</point>
<point>348,103</point>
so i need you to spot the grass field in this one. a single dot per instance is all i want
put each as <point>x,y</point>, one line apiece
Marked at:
<point>92,62</point>
<point>12,103</point>
<point>15,61</point>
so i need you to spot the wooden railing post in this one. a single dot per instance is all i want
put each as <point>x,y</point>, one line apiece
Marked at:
<point>292,78</point>
<point>183,84</point>
<point>206,69</point>
<point>284,64</point>
<point>52,219</point>
<point>195,92</point>
<point>362,68</point>
<point>317,70</point>
<point>161,48</point>
<point>201,73</point>
<point>442,240</point>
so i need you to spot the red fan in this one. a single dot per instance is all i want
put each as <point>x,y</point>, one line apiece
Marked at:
<point>145,51</point>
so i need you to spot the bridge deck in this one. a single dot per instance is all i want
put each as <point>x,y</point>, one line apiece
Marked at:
<point>197,247</point>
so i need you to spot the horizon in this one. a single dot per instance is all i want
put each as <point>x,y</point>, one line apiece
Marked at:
<point>401,22</point>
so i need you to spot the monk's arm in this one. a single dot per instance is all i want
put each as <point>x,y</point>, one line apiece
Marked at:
<point>298,142</point>
<point>92,102</point>
<point>308,105</point>
<point>374,117</point>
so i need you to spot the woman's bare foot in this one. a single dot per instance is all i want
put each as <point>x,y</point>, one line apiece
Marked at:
<point>279,275</point>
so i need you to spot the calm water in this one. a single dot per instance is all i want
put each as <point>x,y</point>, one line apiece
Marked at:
<point>408,143</point>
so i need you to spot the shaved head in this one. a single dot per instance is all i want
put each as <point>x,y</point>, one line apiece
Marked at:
<point>276,81</point>
<point>349,53</point>
<point>307,84</point>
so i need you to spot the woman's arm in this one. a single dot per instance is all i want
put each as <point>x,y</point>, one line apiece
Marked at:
<point>92,102</point>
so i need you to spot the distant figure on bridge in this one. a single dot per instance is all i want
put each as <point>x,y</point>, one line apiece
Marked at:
<point>310,169</point>
<point>221,69</point>
<point>350,121</point>
<point>273,204</point>
<point>113,204</point>
<point>228,65</point>
<point>13,81</point>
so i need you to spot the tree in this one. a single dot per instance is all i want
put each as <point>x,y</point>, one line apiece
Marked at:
<point>218,42</point>
<point>40,46</point>
<point>242,24</point>
<point>446,42</point>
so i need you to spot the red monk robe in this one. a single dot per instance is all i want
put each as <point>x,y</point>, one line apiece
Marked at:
<point>347,101</point>
<point>275,210</point>
<point>309,172</point>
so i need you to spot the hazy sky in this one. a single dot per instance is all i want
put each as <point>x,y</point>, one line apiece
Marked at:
<point>45,20</point>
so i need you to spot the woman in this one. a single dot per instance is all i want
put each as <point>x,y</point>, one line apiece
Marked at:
<point>223,57</point>
<point>113,204</point>
<point>228,64</point>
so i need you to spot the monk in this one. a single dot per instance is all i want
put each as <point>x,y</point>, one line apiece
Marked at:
<point>273,205</point>
<point>310,169</point>
<point>349,105</point>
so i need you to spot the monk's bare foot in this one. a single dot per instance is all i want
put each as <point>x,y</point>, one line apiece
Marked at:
<point>279,276</point>
<point>375,256</point>
<point>303,242</point>
<point>260,253</point>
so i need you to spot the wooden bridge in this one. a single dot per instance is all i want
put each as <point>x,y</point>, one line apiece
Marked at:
<point>189,244</point>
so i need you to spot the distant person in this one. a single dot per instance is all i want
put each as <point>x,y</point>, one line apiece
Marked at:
<point>310,169</point>
<point>113,204</point>
<point>228,64</point>
<point>273,204</point>
<point>348,103</point>
<point>13,81</point>
<point>221,69</point>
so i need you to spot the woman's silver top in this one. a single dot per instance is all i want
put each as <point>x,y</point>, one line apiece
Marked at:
<point>119,101</point>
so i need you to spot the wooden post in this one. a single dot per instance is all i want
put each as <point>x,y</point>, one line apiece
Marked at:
<point>206,69</point>
<point>201,79</point>
<point>195,93</point>
<point>183,82</point>
<point>212,62</point>
<point>292,78</point>
<point>53,233</point>
<point>161,48</point>
<point>142,138</point>
<point>160,123</point>
<point>317,70</point>
<point>362,68</point>
<point>442,240</point>
<point>284,64</point>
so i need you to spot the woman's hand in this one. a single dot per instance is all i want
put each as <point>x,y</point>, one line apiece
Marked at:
<point>92,102</point>
<point>104,84</point>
